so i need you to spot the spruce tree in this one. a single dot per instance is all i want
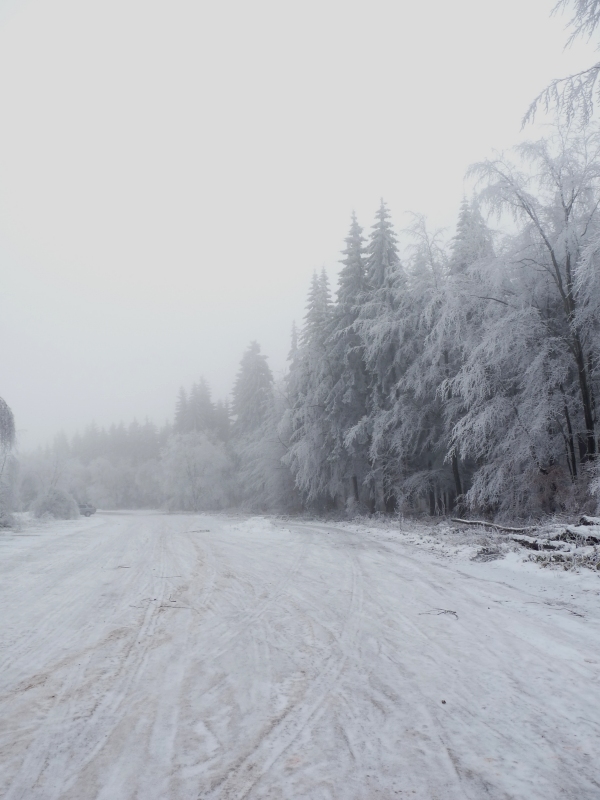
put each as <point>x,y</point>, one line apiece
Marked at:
<point>348,399</point>
<point>181,424</point>
<point>201,411</point>
<point>380,326</point>
<point>472,240</point>
<point>254,442</point>
<point>251,391</point>
<point>309,454</point>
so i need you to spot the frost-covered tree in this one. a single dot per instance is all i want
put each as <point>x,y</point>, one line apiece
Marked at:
<point>180,424</point>
<point>347,402</point>
<point>7,427</point>
<point>381,327</point>
<point>306,425</point>
<point>200,408</point>
<point>195,473</point>
<point>528,383</point>
<point>251,391</point>
<point>7,469</point>
<point>575,95</point>
<point>415,418</point>
<point>255,440</point>
<point>222,421</point>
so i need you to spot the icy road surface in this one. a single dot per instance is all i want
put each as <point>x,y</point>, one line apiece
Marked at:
<point>175,657</point>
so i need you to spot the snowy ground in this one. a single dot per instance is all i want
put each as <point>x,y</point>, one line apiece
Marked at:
<point>175,657</point>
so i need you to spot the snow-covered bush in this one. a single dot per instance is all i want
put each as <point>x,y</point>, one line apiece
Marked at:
<point>56,503</point>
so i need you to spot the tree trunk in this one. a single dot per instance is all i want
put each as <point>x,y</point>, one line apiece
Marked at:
<point>431,502</point>
<point>355,488</point>
<point>586,400</point>
<point>570,440</point>
<point>456,473</point>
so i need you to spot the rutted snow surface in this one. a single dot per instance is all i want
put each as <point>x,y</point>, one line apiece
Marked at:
<point>175,657</point>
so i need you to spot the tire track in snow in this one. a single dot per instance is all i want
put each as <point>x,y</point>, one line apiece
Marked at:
<point>87,732</point>
<point>246,773</point>
<point>20,647</point>
<point>160,744</point>
<point>240,621</point>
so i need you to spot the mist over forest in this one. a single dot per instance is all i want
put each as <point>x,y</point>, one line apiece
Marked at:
<point>299,409</point>
<point>449,370</point>
<point>463,376</point>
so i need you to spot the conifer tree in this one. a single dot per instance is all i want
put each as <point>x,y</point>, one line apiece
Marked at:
<point>472,241</point>
<point>222,419</point>
<point>257,450</point>
<point>181,424</point>
<point>380,325</point>
<point>200,408</point>
<point>347,402</point>
<point>251,391</point>
<point>309,453</point>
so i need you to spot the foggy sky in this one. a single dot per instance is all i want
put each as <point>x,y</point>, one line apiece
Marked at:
<point>172,172</point>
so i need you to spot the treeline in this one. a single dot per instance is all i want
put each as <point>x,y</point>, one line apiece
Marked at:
<point>460,374</point>
<point>466,374</point>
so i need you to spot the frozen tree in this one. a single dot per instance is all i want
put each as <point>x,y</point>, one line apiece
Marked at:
<point>200,408</point>
<point>380,327</point>
<point>195,411</point>
<point>528,382</point>
<point>257,447</point>
<point>306,425</point>
<point>55,503</point>
<point>7,441</point>
<point>346,404</point>
<point>7,427</point>
<point>575,95</point>
<point>251,391</point>
<point>472,241</point>
<point>415,418</point>
<point>222,421</point>
<point>181,412</point>
<point>195,473</point>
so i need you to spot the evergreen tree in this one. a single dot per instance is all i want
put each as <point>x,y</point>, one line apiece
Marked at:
<point>181,424</point>
<point>253,433</point>
<point>222,420</point>
<point>472,241</point>
<point>251,391</point>
<point>200,408</point>
<point>310,450</point>
<point>348,400</point>
<point>380,325</point>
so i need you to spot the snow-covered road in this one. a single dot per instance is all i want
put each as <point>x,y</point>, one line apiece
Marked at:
<point>175,657</point>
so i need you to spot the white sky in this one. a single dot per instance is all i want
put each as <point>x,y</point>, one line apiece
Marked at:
<point>171,172</point>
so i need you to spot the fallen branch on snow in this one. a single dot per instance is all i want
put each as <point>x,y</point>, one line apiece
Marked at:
<point>438,611</point>
<point>537,544</point>
<point>493,525</point>
<point>571,534</point>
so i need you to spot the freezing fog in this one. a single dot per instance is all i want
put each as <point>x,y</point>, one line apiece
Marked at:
<point>299,440</point>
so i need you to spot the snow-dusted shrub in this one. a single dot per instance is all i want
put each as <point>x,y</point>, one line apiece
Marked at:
<point>56,503</point>
<point>6,519</point>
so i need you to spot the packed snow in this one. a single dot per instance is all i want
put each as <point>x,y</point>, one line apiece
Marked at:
<point>175,657</point>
